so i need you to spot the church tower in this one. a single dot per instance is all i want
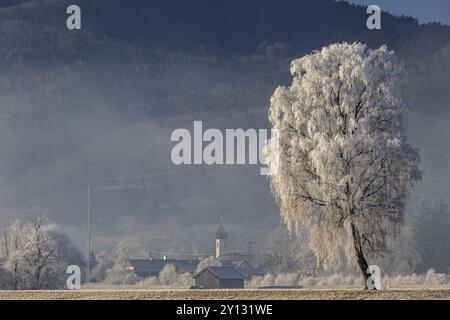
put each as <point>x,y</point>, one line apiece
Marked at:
<point>221,236</point>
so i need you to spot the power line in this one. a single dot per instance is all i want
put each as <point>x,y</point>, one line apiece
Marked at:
<point>193,254</point>
<point>180,254</point>
<point>437,179</point>
<point>145,176</point>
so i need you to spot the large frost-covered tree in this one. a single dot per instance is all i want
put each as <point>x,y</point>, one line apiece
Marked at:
<point>344,167</point>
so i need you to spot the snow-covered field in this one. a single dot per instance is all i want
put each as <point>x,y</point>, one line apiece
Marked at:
<point>249,294</point>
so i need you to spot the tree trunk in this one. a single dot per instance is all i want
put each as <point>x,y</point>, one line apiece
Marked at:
<point>362,262</point>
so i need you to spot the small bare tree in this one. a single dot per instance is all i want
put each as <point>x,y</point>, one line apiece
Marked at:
<point>39,252</point>
<point>11,251</point>
<point>36,255</point>
<point>286,253</point>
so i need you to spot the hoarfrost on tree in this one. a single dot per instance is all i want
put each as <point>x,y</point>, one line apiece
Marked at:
<point>36,255</point>
<point>345,168</point>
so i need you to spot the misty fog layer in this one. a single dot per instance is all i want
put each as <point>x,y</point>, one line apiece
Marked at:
<point>102,102</point>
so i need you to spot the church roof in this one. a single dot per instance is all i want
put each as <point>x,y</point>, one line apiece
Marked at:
<point>221,233</point>
<point>222,273</point>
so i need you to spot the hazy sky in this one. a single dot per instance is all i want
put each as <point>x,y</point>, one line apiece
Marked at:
<point>424,10</point>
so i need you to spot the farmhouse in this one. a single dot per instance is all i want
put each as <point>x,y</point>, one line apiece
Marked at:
<point>219,278</point>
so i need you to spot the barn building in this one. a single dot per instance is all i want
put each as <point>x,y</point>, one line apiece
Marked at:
<point>227,277</point>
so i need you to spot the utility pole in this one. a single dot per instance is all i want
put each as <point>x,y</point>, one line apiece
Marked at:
<point>88,271</point>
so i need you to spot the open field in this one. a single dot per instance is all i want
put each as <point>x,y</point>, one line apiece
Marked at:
<point>247,294</point>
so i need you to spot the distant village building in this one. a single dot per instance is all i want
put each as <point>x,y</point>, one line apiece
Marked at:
<point>225,277</point>
<point>152,267</point>
<point>248,270</point>
<point>242,263</point>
